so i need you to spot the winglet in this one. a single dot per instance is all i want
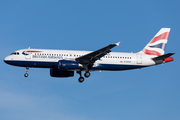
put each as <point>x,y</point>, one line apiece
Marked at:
<point>117,44</point>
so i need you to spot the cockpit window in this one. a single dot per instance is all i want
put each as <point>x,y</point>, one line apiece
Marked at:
<point>15,53</point>
<point>12,53</point>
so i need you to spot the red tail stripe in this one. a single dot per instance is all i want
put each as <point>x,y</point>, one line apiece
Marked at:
<point>164,35</point>
<point>151,52</point>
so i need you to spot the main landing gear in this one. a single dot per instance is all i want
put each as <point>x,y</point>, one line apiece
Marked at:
<point>87,74</point>
<point>26,74</point>
<point>81,79</point>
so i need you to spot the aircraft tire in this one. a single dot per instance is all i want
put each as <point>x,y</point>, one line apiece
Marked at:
<point>26,75</point>
<point>87,74</point>
<point>81,79</point>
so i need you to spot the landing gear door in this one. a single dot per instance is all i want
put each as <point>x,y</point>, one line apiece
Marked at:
<point>139,59</point>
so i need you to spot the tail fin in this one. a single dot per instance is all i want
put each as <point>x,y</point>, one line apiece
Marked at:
<point>158,43</point>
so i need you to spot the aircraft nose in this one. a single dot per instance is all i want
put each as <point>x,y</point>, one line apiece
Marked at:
<point>6,59</point>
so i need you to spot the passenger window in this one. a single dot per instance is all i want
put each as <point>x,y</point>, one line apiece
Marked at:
<point>17,53</point>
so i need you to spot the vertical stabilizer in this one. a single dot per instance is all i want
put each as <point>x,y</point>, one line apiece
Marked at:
<point>158,43</point>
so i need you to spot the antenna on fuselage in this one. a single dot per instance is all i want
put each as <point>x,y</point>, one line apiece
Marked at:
<point>29,48</point>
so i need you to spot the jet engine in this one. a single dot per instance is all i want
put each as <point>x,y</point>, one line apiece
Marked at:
<point>68,65</point>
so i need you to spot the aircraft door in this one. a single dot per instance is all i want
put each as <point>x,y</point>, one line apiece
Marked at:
<point>28,55</point>
<point>139,59</point>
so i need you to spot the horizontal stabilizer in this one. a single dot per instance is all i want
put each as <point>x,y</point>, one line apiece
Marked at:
<point>162,58</point>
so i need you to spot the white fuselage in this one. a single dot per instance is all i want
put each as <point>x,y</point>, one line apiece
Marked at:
<point>63,63</point>
<point>44,58</point>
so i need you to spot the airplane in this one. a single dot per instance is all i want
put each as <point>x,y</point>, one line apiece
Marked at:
<point>63,63</point>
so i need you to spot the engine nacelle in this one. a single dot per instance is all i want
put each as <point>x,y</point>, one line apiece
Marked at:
<point>68,64</point>
<point>61,73</point>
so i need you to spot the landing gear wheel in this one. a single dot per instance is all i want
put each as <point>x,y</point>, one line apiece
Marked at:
<point>81,79</point>
<point>26,75</point>
<point>87,74</point>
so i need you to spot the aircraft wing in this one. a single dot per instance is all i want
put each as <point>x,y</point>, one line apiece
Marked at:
<point>90,58</point>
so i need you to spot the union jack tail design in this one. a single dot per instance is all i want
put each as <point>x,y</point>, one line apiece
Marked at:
<point>158,43</point>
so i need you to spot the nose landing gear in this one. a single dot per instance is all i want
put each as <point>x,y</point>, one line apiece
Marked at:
<point>26,74</point>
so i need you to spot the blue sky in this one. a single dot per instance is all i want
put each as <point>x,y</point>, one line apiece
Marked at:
<point>149,93</point>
